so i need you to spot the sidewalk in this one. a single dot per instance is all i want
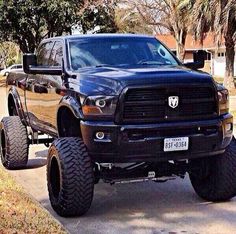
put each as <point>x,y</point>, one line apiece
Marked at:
<point>232,107</point>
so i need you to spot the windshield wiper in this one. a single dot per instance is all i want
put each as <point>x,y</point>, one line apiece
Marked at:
<point>146,62</point>
<point>113,65</point>
<point>103,65</point>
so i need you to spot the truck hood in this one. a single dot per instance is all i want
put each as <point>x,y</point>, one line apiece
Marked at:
<point>112,80</point>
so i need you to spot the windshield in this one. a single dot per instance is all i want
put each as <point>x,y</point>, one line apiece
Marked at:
<point>96,52</point>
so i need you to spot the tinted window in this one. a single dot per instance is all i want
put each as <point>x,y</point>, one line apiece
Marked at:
<point>119,51</point>
<point>56,55</point>
<point>44,53</point>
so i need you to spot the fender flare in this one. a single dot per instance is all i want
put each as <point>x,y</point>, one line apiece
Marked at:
<point>72,104</point>
<point>19,107</point>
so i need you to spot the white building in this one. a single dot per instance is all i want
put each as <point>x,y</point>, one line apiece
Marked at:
<point>215,57</point>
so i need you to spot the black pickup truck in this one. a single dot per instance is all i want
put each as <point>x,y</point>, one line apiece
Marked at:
<point>122,109</point>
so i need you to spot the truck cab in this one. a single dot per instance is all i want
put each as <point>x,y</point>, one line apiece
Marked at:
<point>121,108</point>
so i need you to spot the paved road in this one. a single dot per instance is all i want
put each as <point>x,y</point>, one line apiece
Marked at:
<point>170,207</point>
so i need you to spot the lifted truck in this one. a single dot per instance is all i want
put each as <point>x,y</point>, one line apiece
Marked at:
<point>118,108</point>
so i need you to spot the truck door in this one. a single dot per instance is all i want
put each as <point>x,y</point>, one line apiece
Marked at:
<point>50,99</point>
<point>35,88</point>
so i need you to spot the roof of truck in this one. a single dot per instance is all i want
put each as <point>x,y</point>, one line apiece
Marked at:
<point>101,35</point>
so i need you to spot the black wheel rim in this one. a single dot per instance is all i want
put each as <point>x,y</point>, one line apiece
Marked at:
<point>3,147</point>
<point>14,112</point>
<point>55,178</point>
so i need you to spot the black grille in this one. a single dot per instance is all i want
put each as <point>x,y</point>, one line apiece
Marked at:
<point>150,105</point>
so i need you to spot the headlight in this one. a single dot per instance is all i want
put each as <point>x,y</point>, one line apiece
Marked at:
<point>223,97</point>
<point>104,106</point>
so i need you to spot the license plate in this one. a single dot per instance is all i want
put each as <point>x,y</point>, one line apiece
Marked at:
<point>176,144</point>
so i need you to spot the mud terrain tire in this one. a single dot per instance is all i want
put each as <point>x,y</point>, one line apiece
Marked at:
<point>218,181</point>
<point>70,177</point>
<point>14,143</point>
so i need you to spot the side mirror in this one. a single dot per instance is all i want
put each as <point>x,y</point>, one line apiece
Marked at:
<point>30,66</point>
<point>29,60</point>
<point>199,60</point>
<point>195,65</point>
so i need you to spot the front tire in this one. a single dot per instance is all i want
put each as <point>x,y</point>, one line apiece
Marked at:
<point>70,177</point>
<point>14,143</point>
<point>215,180</point>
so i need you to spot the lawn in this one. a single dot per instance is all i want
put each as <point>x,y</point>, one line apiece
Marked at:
<point>219,79</point>
<point>2,80</point>
<point>20,213</point>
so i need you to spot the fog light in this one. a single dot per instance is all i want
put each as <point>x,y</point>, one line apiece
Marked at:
<point>228,127</point>
<point>100,135</point>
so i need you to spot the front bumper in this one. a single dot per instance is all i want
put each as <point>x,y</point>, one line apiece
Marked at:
<point>145,143</point>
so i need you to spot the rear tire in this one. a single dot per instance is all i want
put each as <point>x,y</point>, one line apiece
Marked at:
<point>216,180</point>
<point>70,177</point>
<point>14,143</point>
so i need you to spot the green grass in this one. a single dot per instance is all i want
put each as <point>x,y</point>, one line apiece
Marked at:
<point>20,213</point>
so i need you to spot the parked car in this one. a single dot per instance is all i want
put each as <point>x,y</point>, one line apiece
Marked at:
<point>12,68</point>
<point>122,109</point>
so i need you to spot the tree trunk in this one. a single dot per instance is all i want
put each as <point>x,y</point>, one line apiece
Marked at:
<point>180,37</point>
<point>229,70</point>
<point>180,51</point>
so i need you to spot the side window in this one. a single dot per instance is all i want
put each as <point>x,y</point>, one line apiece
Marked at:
<point>44,53</point>
<point>56,55</point>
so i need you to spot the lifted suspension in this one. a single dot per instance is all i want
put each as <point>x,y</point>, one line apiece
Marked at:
<point>141,172</point>
<point>36,138</point>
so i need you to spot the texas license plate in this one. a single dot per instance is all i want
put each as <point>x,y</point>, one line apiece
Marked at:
<point>176,144</point>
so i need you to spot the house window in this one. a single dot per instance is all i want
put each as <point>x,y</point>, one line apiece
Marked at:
<point>222,54</point>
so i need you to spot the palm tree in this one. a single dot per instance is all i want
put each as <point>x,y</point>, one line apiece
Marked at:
<point>128,21</point>
<point>218,16</point>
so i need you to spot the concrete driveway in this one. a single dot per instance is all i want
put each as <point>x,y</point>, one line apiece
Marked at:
<point>170,207</point>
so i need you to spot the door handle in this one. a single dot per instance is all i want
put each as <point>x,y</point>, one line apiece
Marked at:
<point>38,88</point>
<point>44,84</point>
<point>30,81</point>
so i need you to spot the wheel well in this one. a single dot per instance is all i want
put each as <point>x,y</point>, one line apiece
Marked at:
<point>68,124</point>
<point>11,105</point>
